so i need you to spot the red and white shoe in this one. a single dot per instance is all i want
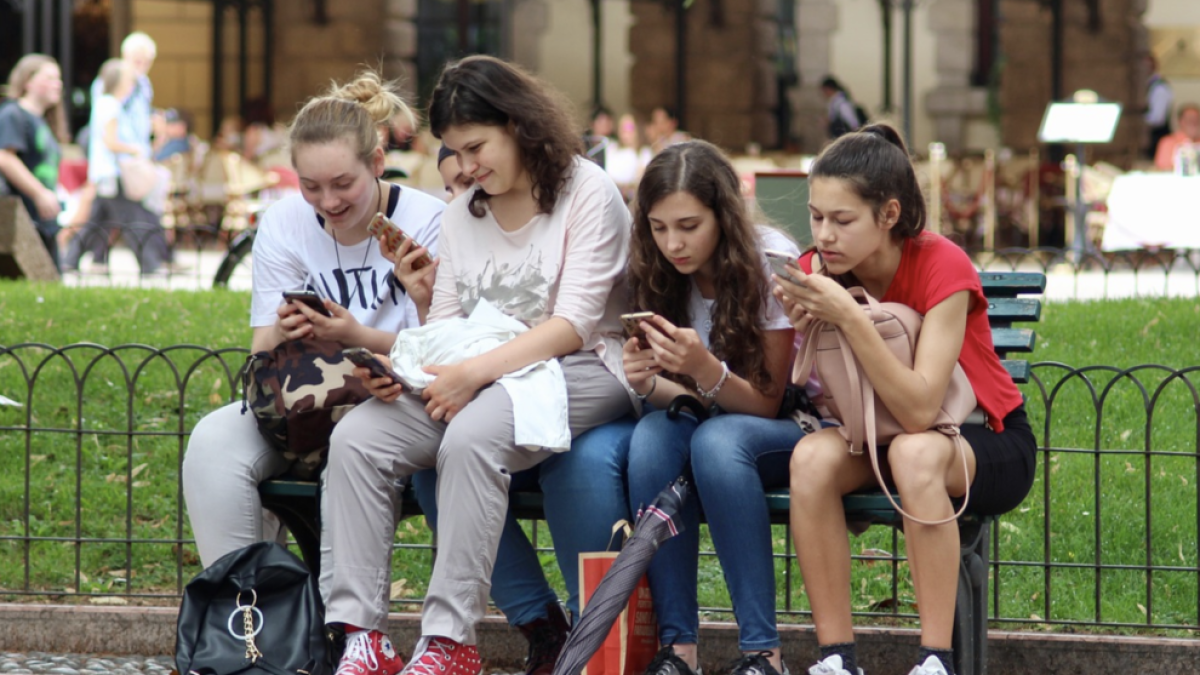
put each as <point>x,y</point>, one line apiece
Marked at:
<point>369,652</point>
<point>443,656</point>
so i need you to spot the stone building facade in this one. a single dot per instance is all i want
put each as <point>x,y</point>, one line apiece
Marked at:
<point>731,87</point>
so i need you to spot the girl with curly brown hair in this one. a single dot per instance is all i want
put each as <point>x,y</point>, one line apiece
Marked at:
<point>539,241</point>
<point>697,262</point>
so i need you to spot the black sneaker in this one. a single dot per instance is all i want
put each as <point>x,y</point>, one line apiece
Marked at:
<point>667,662</point>
<point>546,638</point>
<point>755,664</point>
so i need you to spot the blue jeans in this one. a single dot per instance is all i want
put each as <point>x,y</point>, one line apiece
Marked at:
<point>583,492</point>
<point>732,458</point>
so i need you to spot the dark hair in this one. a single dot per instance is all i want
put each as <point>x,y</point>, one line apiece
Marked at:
<point>600,110</point>
<point>830,83</point>
<point>874,162</point>
<point>701,170</point>
<point>486,90</point>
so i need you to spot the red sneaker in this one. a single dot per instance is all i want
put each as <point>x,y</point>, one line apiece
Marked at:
<point>369,652</point>
<point>443,656</point>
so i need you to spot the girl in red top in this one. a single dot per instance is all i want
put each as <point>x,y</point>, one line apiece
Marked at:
<point>868,219</point>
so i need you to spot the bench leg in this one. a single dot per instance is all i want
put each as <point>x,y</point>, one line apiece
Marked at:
<point>303,520</point>
<point>971,608</point>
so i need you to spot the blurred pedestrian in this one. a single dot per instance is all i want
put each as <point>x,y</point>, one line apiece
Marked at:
<point>32,124</point>
<point>663,130</point>
<point>1159,98</point>
<point>1185,139</point>
<point>842,114</point>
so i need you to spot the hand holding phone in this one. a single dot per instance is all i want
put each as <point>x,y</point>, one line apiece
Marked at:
<point>779,261</point>
<point>309,298</point>
<point>633,328</point>
<point>360,356</point>
<point>393,237</point>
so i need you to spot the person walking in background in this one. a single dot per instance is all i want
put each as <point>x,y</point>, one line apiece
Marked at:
<point>841,113</point>
<point>868,225</point>
<point>111,207</point>
<point>697,262</point>
<point>32,125</point>
<point>1159,99</point>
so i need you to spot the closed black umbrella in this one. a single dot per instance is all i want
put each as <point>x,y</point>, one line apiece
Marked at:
<point>655,524</point>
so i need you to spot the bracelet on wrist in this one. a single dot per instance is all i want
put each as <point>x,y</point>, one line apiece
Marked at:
<point>712,393</point>
<point>653,386</point>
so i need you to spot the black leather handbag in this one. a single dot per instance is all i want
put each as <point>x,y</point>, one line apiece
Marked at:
<point>255,610</point>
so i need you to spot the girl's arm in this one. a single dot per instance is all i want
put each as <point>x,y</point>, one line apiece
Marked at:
<point>457,384</point>
<point>913,396</point>
<point>736,394</point>
<point>113,142</point>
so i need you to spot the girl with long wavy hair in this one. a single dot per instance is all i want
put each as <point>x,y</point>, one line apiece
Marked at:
<point>542,237</point>
<point>697,262</point>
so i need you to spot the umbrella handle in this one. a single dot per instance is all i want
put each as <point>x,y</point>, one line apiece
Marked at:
<point>691,403</point>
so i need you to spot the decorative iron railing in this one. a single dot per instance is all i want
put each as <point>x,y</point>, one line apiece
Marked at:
<point>92,440</point>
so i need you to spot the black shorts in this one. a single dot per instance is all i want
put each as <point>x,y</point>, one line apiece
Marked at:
<point>1005,464</point>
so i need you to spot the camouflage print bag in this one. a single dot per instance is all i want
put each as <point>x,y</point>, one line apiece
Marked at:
<point>298,391</point>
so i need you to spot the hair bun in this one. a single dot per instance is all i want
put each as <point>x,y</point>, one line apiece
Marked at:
<point>380,98</point>
<point>886,132</point>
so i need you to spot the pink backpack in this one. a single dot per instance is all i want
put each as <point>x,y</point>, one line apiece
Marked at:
<point>850,398</point>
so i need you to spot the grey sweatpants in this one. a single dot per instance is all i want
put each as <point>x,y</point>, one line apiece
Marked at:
<point>226,460</point>
<point>475,456</point>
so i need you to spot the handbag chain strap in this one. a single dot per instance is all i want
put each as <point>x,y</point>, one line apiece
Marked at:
<point>252,652</point>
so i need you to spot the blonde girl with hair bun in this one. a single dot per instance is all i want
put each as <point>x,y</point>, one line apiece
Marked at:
<point>316,240</point>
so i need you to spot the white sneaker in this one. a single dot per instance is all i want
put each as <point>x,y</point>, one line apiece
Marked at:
<point>832,666</point>
<point>932,666</point>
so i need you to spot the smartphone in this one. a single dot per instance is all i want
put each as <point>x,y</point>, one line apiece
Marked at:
<point>779,261</point>
<point>393,236</point>
<point>632,322</point>
<point>361,356</point>
<point>309,298</point>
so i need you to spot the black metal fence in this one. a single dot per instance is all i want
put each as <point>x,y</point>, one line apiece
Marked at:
<point>91,509</point>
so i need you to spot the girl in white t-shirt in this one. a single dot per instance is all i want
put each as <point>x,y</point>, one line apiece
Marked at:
<point>697,263</point>
<point>543,238</point>
<point>316,240</point>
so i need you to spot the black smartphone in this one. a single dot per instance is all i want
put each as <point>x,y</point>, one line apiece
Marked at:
<point>361,356</point>
<point>309,298</point>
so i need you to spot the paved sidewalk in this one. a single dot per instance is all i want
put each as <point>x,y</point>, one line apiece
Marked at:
<point>199,269</point>
<point>17,663</point>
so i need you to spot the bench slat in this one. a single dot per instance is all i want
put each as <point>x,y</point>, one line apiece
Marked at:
<point>1018,369</point>
<point>1004,311</point>
<point>1012,284</point>
<point>1006,340</point>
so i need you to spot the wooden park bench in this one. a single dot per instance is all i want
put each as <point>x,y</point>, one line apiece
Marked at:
<point>295,501</point>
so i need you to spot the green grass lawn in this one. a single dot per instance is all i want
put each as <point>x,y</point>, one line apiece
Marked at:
<point>63,485</point>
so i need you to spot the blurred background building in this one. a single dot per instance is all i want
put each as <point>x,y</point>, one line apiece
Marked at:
<point>972,74</point>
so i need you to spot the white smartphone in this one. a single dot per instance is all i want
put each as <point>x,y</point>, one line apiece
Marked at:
<point>779,261</point>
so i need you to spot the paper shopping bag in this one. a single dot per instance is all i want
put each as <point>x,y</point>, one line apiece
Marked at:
<point>633,640</point>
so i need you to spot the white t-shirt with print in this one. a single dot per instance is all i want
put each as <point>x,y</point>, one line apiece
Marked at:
<point>569,263</point>
<point>292,251</point>
<point>773,316</point>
